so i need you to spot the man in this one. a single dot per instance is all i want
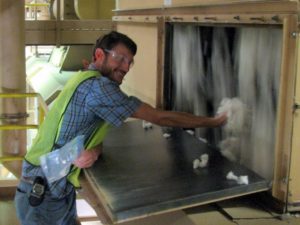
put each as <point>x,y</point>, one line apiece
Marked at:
<point>90,103</point>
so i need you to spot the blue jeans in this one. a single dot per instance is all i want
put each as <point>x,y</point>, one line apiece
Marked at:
<point>51,212</point>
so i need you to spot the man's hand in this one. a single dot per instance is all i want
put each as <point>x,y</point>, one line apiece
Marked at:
<point>88,157</point>
<point>221,119</point>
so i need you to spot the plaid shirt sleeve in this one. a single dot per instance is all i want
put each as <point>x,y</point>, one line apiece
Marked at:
<point>108,102</point>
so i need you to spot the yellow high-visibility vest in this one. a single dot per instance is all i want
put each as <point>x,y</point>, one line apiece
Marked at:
<point>47,134</point>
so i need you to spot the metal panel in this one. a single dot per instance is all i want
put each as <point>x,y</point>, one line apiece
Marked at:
<point>68,31</point>
<point>141,173</point>
<point>137,4</point>
<point>141,80</point>
<point>229,7</point>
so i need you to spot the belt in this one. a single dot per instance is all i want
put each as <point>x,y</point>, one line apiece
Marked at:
<point>28,180</point>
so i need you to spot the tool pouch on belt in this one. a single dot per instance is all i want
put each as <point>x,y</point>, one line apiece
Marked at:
<point>37,193</point>
<point>57,190</point>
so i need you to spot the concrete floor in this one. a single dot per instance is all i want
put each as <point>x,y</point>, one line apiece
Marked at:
<point>239,211</point>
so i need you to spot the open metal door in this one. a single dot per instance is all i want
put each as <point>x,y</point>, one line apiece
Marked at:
<point>142,173</point>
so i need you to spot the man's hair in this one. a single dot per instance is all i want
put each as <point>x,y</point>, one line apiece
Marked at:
<point>110,40</point>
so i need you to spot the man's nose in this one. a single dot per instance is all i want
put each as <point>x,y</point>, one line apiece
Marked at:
<point>126,65</point>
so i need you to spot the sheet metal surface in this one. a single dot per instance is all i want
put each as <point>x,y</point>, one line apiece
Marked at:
<point>142,173</point>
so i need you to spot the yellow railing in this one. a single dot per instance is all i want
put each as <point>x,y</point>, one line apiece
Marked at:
<point>42,110</point>
<point>37,11</point>
<point>37,4</point>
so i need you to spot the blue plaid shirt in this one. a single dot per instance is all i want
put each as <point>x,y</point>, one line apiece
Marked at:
<point>95,100</point>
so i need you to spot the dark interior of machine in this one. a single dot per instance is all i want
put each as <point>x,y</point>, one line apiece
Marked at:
<point>221,62</point>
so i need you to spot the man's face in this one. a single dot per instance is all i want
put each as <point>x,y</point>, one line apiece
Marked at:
<point>116,63</point>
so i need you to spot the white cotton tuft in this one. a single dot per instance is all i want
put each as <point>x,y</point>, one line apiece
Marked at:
<point>204,140</point>
<point>236,112</point>
<point>230,148</point>
<point>243,180</point>
<point>191,132</point>
<point>239,179</point>
<point>196,163</point>
<point>166,135</point>
<point>201,162</point>
<point>147,125</point>
<point>231,176</point>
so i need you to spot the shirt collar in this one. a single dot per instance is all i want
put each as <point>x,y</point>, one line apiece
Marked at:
<point>93,67</point>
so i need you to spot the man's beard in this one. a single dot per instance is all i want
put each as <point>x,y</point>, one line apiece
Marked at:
<point>105,70</point>
<point>110,74</point>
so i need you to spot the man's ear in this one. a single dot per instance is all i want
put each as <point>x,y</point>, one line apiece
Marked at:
<point>99,54</point>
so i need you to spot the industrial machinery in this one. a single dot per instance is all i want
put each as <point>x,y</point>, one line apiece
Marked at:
<point>198,48</point>
<point>191,55</point>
